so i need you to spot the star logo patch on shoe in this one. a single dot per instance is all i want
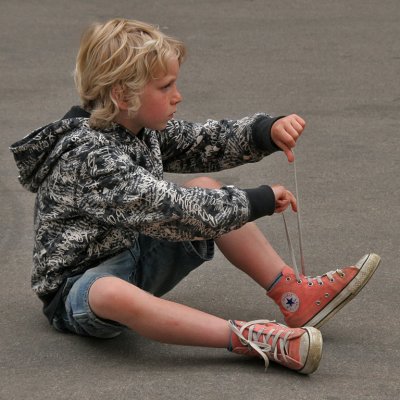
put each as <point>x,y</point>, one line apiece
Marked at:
<point>290,302</point>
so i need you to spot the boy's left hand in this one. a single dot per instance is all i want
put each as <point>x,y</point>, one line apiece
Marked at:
<point>286,131</point>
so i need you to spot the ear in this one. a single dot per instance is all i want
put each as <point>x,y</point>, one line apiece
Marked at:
<point>117,93</point>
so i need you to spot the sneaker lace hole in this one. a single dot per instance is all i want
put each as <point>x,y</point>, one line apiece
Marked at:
<point>310,284</point>
<point>299,281</point>
<point>332,280</point>
<point>320,283</point>
<point>288,278</point>
<point>318,303</point>
<point>326,294</point>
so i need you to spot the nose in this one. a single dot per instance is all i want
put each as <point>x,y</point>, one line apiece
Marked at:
<point>177,97</point>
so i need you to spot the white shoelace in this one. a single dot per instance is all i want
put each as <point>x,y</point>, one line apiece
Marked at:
<point>259,340</point>
<point>328,274</point>
<point>291,249</point>
<point>296,270</point>
<point>302,263</point>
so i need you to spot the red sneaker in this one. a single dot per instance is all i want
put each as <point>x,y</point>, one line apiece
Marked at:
<point>312,301</point>
<point>299,349</point>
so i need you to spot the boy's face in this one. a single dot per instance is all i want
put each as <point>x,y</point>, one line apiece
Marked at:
<point>159,100</point>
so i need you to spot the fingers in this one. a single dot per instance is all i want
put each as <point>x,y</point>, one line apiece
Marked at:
<point>283,204</point>
<point>283,198</point>
<point>285,133</point>
<point>293,201</point>
<point>288,152</point>
<point>293,128</point>
<point>299,120</point>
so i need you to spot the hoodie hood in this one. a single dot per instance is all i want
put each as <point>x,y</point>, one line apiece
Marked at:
<point>37,153</point>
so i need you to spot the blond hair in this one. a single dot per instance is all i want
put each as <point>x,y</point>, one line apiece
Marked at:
<point>120,55</point>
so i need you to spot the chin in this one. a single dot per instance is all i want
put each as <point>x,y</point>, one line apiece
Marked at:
<point>160,127</point>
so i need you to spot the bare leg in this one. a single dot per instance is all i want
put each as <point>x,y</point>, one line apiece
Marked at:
<point>115,299</point>
<point>246,248</point>
<point>155,318</point>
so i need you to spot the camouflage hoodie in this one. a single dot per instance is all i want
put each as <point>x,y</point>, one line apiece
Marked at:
<point>96,190</point>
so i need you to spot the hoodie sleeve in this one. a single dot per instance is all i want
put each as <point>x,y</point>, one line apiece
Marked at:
<point>115,191</point>
<point>216,145</point>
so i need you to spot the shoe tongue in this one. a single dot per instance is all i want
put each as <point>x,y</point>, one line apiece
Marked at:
<point>288,271</point>
<point>235,340</point>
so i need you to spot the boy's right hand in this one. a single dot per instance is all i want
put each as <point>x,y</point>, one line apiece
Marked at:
<point>283,198</point>
<point>285,133</point>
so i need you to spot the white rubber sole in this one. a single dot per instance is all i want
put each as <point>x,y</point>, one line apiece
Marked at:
<point>367,266</point>
<point>314,351</point>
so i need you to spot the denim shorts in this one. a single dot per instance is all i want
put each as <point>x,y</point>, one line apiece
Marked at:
<point>155,266</point>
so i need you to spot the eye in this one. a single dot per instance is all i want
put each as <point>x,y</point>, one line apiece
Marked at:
<point>168,85</point>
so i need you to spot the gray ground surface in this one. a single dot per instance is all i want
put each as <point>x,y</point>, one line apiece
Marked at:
<point>337,64</point>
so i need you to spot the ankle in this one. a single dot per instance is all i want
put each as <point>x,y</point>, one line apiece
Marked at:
<point>274,282</point>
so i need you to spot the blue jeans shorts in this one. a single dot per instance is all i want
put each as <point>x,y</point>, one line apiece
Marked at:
<point>155,266</point>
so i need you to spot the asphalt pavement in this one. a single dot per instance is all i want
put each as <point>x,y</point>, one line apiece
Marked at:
<point>335,63</point>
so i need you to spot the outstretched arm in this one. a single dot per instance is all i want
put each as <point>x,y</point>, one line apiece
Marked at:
<point>216,145</point>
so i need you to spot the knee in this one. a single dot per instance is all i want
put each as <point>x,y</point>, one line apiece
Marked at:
<point>105,295</point>
<point>204,182</point>
<point>117,300</point>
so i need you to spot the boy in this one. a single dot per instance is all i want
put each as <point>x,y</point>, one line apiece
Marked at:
<point>112,236</point>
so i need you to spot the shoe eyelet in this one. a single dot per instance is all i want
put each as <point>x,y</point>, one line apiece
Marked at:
<point>331,280</point>
<point>310,284</point>
<point>318,302</point>
<point>320,283</point>
<point>342,275</point>
<point>326,295</point>
<point>288,278</point>
<point>299,281</point>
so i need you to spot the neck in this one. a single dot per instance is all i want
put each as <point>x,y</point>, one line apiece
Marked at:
<point>123,119</point>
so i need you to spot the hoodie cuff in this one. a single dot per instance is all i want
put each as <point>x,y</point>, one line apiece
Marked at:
<point>262,134</point>
<point>262,201</point>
